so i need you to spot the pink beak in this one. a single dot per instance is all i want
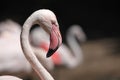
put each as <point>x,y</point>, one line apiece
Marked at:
<point>55,40</point>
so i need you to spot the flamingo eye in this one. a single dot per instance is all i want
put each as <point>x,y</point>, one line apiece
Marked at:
<point>54,23</point>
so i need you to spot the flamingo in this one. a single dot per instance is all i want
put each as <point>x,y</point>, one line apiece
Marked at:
<point>47,19</point>
<point>73,53</point>
<point>76,57</point>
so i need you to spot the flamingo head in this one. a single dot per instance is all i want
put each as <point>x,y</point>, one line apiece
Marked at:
<point>77,31</point>
<point>51,26</point>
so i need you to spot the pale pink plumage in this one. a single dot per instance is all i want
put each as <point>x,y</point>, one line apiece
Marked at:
<point>13,56</point>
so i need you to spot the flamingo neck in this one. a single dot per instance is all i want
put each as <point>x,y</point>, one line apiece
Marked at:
<point>75,48</point>
<point>37,66</point>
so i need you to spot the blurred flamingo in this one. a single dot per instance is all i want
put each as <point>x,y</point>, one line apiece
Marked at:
<point>13,56</point>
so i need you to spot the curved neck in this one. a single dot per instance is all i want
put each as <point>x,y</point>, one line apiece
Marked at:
<point>75,48</point>
<point>37,66</point>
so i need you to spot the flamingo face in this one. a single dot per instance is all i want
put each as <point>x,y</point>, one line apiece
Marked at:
<point>50,24</point>
<point>55,40</point>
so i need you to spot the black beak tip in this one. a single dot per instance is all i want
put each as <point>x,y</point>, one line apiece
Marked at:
<point>50,53</point>
<point>47,56</point>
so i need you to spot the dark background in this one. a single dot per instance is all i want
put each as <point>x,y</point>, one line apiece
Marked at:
<point>98,18</point>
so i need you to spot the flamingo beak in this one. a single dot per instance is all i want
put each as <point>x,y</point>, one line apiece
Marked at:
<point>55,40</point>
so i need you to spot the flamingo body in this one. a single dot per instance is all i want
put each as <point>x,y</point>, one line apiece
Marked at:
<point>13,56</point>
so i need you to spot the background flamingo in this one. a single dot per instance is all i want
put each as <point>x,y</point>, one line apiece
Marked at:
<point>72,56</point>
<point>41,13</point>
